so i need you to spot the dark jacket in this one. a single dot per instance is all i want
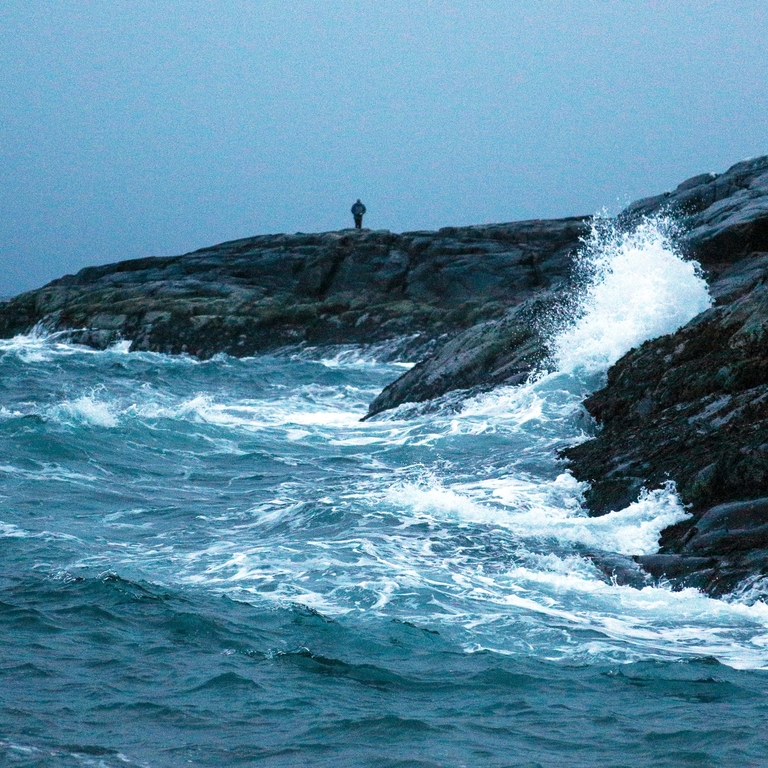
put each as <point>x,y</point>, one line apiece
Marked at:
<point>358,209</point>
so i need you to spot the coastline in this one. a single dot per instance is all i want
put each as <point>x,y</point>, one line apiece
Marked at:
<point>691,407</point>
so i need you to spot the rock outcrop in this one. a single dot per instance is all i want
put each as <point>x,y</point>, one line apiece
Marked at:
<point>500,351</point>
<point>261,293</point>
<point>725,219</point>
<point>692,407</point>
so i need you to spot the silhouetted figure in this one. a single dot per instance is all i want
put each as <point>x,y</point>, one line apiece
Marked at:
<point>358,209</point>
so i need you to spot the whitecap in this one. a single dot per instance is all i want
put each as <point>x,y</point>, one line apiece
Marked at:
<point>87,409</point>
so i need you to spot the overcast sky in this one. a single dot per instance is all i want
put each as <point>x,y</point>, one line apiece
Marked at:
<point>132,128</point>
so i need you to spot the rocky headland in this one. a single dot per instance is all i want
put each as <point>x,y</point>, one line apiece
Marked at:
<point>262,293</point>
<point>467,303</point>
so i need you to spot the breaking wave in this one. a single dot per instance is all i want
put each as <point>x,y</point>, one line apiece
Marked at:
<point>255,478</point>
<point>635,286</point>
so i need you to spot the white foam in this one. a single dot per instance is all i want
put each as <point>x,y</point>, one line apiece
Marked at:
<point>356,356</point>
<point>11,531</point>
<point>465,557</point>
<point>47,472</point>
<point>122,347</point>
<point>35,347</point>
<point>433,500</point>
<point>88,409</point>
<point>42,346</point>
<point>639,287</point>
<point>545,511</point>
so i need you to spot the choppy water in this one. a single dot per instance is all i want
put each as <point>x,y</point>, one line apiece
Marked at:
<point>217,564</point>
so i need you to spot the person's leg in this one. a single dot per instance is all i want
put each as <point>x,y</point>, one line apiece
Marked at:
<point>358,221</point>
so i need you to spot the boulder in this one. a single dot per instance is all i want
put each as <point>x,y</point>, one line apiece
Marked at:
<point>724,547</point>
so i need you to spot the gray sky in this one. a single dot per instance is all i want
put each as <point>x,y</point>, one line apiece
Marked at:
<point>133,128</point>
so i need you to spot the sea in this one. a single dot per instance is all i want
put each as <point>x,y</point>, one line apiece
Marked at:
<point>217,563</point>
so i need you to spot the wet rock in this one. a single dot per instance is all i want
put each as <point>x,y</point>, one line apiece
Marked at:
<point>717,550</point>
<point>502,351</point>
<point>681,571</point>
<point>725,216</point>
<point>620,569</point>
<point>261,293</point>
<point>693,406</point>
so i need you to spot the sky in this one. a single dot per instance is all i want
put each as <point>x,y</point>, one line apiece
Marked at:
<point>132,128</point>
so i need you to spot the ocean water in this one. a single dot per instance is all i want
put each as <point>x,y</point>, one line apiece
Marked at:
<point>218,564</point>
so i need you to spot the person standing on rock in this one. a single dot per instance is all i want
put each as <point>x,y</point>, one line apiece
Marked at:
<point>358,209</point>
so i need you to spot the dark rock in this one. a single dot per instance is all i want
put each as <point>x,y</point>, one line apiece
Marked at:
<point>260,293</point>
<point>725,216</point>
<point>675,567</point>
<point>620,569</point>
<point>502,351</point>
<point>717,550</point>
<point>693,406</point>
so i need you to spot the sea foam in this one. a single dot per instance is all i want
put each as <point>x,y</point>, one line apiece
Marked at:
<point>635,286</point>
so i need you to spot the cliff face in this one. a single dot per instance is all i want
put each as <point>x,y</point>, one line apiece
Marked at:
<point>260,293</point>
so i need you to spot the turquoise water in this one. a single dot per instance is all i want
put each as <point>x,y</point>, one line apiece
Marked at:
<point>217,564</point>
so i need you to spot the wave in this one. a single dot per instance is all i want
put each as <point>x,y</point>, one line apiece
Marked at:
<point>635,286</point>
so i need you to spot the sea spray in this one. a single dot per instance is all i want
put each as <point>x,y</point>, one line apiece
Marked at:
<point>633,285</point>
